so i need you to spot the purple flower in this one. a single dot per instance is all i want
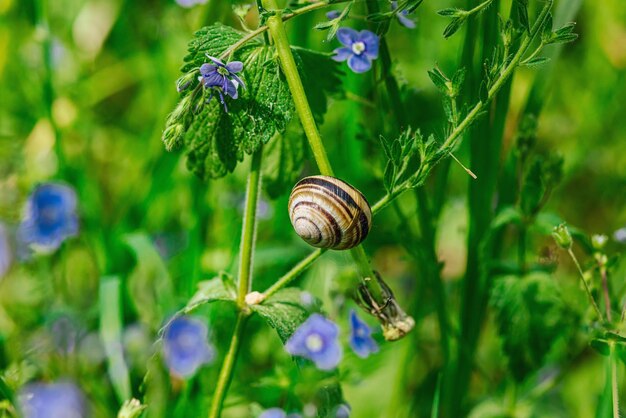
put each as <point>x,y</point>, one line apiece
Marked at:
<point>53,400</point>
<point>361,339</point>
<point>333,14</point>
<point>50,216</point>
<point>402,16</point>
<point>185,346</point>
<point>222,78</point>
<point>189,3</point>
<point>5,251</point>
<point>277,413</point>
<point>316,339</point>
<point>343,411</point>
<point>360,48</point>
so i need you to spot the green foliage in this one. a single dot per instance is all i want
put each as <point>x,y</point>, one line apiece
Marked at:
<point>221,288</point>
<point>284,157</point>
<point>149,284</point>
<point>333,25</point>
<point>284,311</point>
<point>531,316</point>
<point>542,176</point>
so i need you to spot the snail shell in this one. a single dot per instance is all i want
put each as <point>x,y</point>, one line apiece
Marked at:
<point>329,213</point>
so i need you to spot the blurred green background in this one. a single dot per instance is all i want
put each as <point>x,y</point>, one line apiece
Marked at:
<point>86,87</point>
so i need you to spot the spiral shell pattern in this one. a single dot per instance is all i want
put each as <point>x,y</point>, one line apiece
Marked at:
<point>329,213</point>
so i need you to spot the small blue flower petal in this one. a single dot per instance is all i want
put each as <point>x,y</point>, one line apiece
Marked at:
<point>189,3</point>
<point>371,43</point>
<point>361,339</point>
<point>342,54</point>
<point>185,346</point>
<point>343,411</point>
<point>50,216</point>
<point>403,16</point>
<point>333,14</point>
<point>207,69</point>
<point>347,36</point>
<point>55,400</point>
<point>317,340</point>
<point>234,66</point>
<point>359,63</point>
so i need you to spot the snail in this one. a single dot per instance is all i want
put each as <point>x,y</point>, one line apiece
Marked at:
<point>329,213</point>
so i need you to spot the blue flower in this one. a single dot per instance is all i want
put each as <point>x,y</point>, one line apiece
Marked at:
<point>50,216</point>
<point>5,251</point>
<point>277,413</point>
<point>333,14</point>
<point>317,340</point>
<point>361,339</point>
<point>402,16</point>
<point>189,3</point>
<point>185,346</point>
<point>55,400</point>
<point>222,78</point>
<point>360,48</point>
<point>342,411</point>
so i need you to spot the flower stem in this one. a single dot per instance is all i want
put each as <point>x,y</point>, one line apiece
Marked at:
<point>249,227</point>
<point>582,277</point>
<point>245,278</point>
<point>293,273</point>
<point>614,388</point>
<point>226,372</point>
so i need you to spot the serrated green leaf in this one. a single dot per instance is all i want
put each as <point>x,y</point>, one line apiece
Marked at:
<point>563,39</point>
<point>450,11</point>
<point>149,285</point>
<point>283,160</point>
<point>531,316</point>
<point>217,289</point>
<point>439,79</point>
<point>546,30</point>
<point>389,176</point>
<point>284,311</point>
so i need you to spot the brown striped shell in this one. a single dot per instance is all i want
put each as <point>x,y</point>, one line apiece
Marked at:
<point>329,213</point>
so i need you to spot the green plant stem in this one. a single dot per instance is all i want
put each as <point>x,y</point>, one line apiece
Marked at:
<point>587,289</point>
<point>614,388</point>
<point>226,372</point>
<point>288,65</point>
<point>293,273</point>
<point>245,279</point>
<point>249,227</point>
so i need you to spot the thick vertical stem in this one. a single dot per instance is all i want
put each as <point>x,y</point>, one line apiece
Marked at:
<point>249,227</point>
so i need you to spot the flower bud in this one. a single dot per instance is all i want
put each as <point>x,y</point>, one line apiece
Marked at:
<point>598,241</point>
<point>131,409</point>
<point>562,236</point>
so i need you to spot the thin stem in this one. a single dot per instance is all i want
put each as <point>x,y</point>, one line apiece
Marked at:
<point>478,8</point>
<point>614,388</point>
<point>587,289</point>
<point>605,288</point>
<point>226,372</point>
<point>249,227</point>
<point>293,273</point>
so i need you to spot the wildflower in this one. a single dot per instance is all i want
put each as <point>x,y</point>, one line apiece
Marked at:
<point>360,48</point>
<point>222,77</point>
<point>361,339</point>
<point>562,236</point>
<point>185,346</point>
<point>333,14</point>
<point>401,15</point>
<point>50,216</point>
<point>277,413</point>
<point>189,3</point>
<point>342,411</point>
<point>620,235</point>
<point>54,400</point>
<point>5,251</point>
<point>598,241</point>
<point>316,339</point>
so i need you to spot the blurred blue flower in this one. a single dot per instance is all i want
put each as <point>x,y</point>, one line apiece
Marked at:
<point>402,16</point>
<point>189,3</point>
<point>186,346</point>
<point>360,48</point>
<point>619,236</point>
<point>333,14</point>
<point>55,400</point>
<point>343,411</point>
<point>277,413</point>
<point>222,78</point>
<point>316,339</point>
<point>361,339</point>
<point>50,216</point>
<point>5,251</point>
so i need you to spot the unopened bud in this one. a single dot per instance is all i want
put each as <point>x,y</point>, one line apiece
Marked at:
<point>598,241</point>
<point>131,409</point>
<point>562,236</point>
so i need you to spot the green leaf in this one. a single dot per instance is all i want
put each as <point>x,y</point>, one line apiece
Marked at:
<point>149,284</point>
<point>220,288</point>
<point>451,11</point>
<point>328,399</point>
<point>546,30</point>
<point>454,26</point>
<point>531,316</point>
<point>522,14</point>
<point>283,160</point>
<point>439,79</point>
<point>5,390</point>
<point>536,61</point>
<point>284,311</point>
